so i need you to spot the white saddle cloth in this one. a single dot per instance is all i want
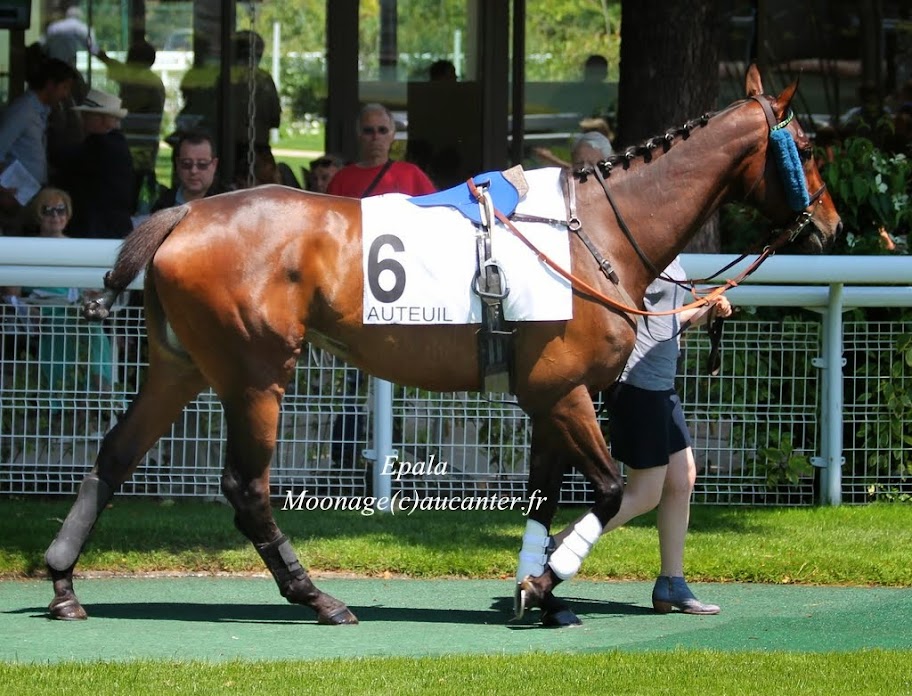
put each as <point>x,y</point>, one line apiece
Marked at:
<point>419,263</point>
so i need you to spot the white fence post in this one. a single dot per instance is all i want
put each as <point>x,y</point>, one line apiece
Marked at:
<point>383,442</point>
<point>834,393</point>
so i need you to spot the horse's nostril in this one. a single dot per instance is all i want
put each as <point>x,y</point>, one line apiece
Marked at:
<point>839,229</point>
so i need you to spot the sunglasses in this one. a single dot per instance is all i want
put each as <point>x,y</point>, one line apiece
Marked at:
<point>54,210</point>
<point>188,165</point>
<point>370,130</point>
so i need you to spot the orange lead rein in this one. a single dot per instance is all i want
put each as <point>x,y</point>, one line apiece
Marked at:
<point>584,287</point>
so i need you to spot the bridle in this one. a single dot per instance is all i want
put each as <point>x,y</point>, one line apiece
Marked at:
<point>784,237</point>
<point>787,235</point>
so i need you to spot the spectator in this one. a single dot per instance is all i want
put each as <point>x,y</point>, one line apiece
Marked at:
<point>589,96</point>
<point>141,89</point>
<point>442,71</point>
<point>23,128</point>
<point>65,37</point>
<point>265,171</point>
<point>63,339</point>
<point>143,95</point>
<point>199,94</point>
<point>99,171</point>
<point>595,69</point>
<point>596,124</point>
<point>195,166</point>
<point>322,171</point>
<point>267,110</point>
<point>375,173</point>
<point>588,148</point>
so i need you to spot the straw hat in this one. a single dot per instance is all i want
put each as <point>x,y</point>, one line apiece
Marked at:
<point>98,102</point>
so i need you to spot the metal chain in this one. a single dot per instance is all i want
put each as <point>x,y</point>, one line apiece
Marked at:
<point>251,96</point>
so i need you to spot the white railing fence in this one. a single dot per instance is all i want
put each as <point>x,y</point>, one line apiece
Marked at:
<point>784,423</point>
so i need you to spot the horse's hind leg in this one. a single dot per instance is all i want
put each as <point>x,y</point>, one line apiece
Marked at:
<point>170,384</point>
<point>252,419</point>
<point>567,434</point>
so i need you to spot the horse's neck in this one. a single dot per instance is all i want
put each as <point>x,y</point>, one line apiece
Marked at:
<point>666,201</point>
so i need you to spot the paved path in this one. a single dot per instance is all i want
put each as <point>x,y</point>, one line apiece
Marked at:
<point>228,618</point>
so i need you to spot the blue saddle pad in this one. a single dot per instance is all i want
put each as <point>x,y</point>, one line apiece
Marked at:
<point>503,194</point>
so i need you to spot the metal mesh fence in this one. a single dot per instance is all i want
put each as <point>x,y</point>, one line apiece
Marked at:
<point>877,440</point>
<point>755,425</point>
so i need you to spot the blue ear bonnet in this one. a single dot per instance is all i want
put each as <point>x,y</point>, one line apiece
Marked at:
<point>789,164</point>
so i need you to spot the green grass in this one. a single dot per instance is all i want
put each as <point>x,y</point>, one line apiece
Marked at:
<point>312,142</point>
<point>679,672</point>
<point>844,545</point>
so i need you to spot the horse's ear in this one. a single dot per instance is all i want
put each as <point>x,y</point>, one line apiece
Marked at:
<point>781,103</point>
<point>752,83</point>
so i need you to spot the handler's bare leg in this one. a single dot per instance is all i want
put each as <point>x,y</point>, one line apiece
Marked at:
<point>671,590</point>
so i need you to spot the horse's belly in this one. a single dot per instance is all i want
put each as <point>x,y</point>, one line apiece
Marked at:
<point>439,358</point>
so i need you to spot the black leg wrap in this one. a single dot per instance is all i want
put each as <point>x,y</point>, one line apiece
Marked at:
<point>283,563</point>
<point>296,586</point>
<point>94,494</point>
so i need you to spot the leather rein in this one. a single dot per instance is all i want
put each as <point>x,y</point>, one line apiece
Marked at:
<point>789,234</point>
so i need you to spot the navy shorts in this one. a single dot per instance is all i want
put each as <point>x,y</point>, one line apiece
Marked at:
<point>646,427</point>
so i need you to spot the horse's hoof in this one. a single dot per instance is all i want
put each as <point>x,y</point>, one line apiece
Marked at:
<point>67,608</point>
<point>519,602</point>
<point>559,615</point>
<point>342,617</point>
<point>532,595</point>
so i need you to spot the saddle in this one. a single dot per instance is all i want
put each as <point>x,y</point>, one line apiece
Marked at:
<point>505,189</point>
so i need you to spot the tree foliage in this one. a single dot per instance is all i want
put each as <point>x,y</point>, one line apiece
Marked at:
<point>555,48</point>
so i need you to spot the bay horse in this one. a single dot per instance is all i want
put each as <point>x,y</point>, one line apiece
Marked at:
<point>236,284</point>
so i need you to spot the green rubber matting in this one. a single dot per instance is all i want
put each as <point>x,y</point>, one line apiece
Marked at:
<point>225,618</point>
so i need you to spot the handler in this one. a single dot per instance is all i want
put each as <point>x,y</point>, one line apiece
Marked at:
<point>649,435</point>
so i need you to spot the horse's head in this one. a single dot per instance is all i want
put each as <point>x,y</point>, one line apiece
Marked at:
<point>787,186</point>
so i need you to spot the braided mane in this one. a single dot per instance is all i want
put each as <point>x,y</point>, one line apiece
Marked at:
<point>645,149</point>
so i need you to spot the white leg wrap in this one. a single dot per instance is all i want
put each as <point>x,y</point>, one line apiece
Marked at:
<point>568,557</point>
<point>534,552</point>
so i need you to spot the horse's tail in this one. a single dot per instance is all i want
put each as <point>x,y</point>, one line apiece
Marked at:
<point>135,254</point>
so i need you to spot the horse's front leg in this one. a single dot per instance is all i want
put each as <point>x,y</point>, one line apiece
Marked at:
<point>252,420</point>
<point>568,433</point>
<point>546,473</point>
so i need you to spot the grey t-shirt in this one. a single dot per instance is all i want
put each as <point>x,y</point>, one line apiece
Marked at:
<point>653,363</point>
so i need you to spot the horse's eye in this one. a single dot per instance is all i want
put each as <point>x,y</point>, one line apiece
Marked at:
<point>806,153</point>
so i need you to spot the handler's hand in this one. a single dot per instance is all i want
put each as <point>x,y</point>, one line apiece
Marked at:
<point>723,307</point>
